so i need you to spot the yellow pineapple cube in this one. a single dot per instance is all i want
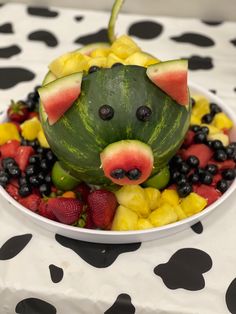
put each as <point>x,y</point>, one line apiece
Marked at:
<point>180,213</point>
<point>170,197</point>
<point>141,58</point>
<point>144,223</point>
<point>221,121</point>
<point>195,120</point>
<point>30,129</point>
<point>125,219</point>
<point>193,204</point>
<point>133,197</point>
<point>153,197</point>
<point>8,132</point>
<point>163,215</point>
<point>98,61</point>
<point>201,107</point>
<point>42,139</point>
<point>219,136</point>
<point>112,59</point>
<point>100,52</point>
<point>124,46</point>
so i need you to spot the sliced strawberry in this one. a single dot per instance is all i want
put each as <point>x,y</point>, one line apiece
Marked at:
<point>208,192</point>
<point>222,165</point>
<point>201,151</point>
<point>67,210</point>
<point>45,211</point>
<point>103,205</point>
<point>9,149</point>
<point>22,156</point>
<point>13,191</point>
<point>188,138</point>
<point>31,202</point>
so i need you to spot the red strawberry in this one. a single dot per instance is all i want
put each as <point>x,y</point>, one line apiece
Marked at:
<point>89,220</point>
<point>13,191</point>
<point>31,202</point>
<point>67,210</point>
<point>201,151</point>
<point>222,165</point>
<point>45,211</point>
<point>103,206</point>
<point>208,192</point>
<point>17,111</point>
<point>83,189</point>
<point>188,138</point>
<point>217,177</point>
<point>33,114</point>
<point>9,149</point>
<point>22,156</point>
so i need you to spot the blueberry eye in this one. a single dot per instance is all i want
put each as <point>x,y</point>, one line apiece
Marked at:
<point>106,112</point>
<point>143,113</point>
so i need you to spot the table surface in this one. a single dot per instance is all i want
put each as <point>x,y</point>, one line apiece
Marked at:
<point>40,272</point>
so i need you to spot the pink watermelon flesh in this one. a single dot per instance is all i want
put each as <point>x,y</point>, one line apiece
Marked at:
<point>58,96</point>
<point>127,155</point>
<point>171,77</point>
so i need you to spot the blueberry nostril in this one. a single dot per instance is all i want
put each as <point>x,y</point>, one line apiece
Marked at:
<point>118,173</point>
<point>143,113</point>
<point>134,174</point>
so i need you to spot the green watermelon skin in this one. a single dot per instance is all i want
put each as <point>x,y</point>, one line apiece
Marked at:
<point>80,135</point>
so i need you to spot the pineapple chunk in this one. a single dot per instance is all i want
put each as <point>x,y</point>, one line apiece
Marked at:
<point>153,197</point>
<point>163,215</point>
<point>221,121</point>
<point>124,219</point>
<point>42,139</point>
<point>69,63</point>
<point>141,58</point>
<point>193,203</point>
<point>195,120</point>
<point>8,132</point>
<point>170,197</point>
<point>112,59</point>
<point>133,197</point>
<point>201,107</point>
<point>180,213</point>
<point>144,223</point>
<point>124,46</point>
<point>100,52</point>
<point>30,129</point>
<point>219,136</point>
<point>98,61</point>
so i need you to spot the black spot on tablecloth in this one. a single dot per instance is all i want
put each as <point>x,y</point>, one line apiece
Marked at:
<point>214,91</point>
<point>6,28</point>
<point>44,36</point>
<point>195,39</point>
<point>79,18</point>
<point>97,255</point>
<point>10,77</point>
<point>7,52</point>
<point>233,41</point>
<point>199,63</point>
<point>234,89</point>
<point>184,269</point>
<point>100,36</point>
<point>42,12</point>
<point>230,297</point>
<point>198,227</point>
<point>212,23</point>
<point>14,246</point>
<point>35,306</point>
<point>56,273</point>
<point>1,4</point>
<point>122,305</point>
<point>145,29</point>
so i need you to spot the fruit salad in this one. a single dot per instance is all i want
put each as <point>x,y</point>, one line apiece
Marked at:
<point>113,140</point>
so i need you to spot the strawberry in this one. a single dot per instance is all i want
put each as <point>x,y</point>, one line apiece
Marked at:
<point>217,177</point>
<point>89,220</point>
<point>31,202</point>
<point>13,191</point>
<point>66,210</point>
<point>201,151</point>
<point>222,165</point>
<point>45,211</point>
<point>9,149</point>
<point>17,111</point>
<point>208,192</point>
<point>83,190</point>
<point>22,156</point>
<point>103,204</point>
<point>188,138</point>
<point>33,114</point>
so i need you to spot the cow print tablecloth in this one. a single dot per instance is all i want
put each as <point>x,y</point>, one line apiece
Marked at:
<point>43,273</point>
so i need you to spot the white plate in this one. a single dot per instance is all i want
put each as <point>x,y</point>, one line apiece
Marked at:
<point>130,236</point>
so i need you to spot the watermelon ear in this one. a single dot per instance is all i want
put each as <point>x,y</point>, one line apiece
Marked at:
<point>59,95</point>
<point>171,78</point>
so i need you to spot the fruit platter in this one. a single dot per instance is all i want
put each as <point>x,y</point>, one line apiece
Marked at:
<point>117,146</point>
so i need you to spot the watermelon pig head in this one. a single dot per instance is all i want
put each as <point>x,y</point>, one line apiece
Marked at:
<point>120,128</point>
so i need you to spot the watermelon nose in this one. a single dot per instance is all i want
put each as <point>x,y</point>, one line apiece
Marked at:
<point>127,162</point>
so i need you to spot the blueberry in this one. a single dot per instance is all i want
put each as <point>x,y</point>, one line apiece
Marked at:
<point>4,178</point>
<point>175,175</point>
<point>183,168</point>
<point>35,160</point>
<point>44,165</point>
<point>176,161</point>
<point>33,96</point>
<point>181,179</point>
<point>200,137</point>
<point>211,168</point>
<point>184,189</point>
<point>40,150</point>
<point>50,156</point>
<point>25,190</point>
<point>209,143</point>
<point>217,144</point>
<point>134,174</point>
<point>229,174</point>
<point>48,179</point>
<point>31,170</point>
<point>220,155</point>
<point>193,161</point>
<point>143,113</point>
<point>14,171</point>
<point>118,173</point>
<point>8,162</point>
<point>204,129</point>
<point>31,104</point>
<point>23,180</point>
<point>206,178</point>
<point>106,112</point>
<point>45,189</point>
<point>195,128</point>
<point>230,151</point>
<point>222,185</point>
<point>34,180</point>
<point>116,64</point>
<point>34,144</point>
<point>214,108</point>
<point>24,142</point>
<point>207,118</point>
<point>41,177</point>
<point>194,178</point>
<point>93,68</point>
